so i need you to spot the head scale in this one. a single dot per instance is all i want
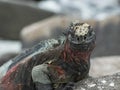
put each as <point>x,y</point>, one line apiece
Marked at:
<point>80,29</point>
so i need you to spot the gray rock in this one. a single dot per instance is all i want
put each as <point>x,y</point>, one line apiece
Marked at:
<point>14,15</point>
<point>107,37</point>
<point>102,66</point>
<point>111,82</point>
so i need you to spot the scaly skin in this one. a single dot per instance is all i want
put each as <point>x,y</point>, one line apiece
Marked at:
<point>74,63</point>
<point>37,49</point>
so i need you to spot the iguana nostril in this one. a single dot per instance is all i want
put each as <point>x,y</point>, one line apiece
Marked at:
<point>78,38</point>
<point>85,37</point>
<point>81,38</point>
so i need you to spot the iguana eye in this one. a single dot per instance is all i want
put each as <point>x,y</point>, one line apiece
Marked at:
<point>90,31</point>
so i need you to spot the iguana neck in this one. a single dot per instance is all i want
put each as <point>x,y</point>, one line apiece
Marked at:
<point>69,54</point>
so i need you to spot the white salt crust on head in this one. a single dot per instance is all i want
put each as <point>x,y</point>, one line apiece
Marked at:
<point>81,30</point>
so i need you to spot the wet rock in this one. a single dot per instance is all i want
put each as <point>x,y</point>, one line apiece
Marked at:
<point>111,82</point>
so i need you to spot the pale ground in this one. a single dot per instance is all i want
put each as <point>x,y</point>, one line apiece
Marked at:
<point>102,66</point>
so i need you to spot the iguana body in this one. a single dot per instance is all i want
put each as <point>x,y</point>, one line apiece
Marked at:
<point>39,48</point>
<point>68,62</point>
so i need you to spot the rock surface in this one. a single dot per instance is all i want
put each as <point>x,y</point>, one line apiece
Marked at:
<point>102,74</point>
<point>111,82</point>
<point>107,37</point>
<point>102,66</point>
<point>14,15</point>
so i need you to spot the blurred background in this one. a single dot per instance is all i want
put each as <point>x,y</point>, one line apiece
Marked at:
<point>24,23</point>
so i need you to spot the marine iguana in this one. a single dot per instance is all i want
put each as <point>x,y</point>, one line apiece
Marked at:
<point>68,62</point>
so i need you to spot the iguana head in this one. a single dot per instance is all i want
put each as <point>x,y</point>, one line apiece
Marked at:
<point>80,35</point>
